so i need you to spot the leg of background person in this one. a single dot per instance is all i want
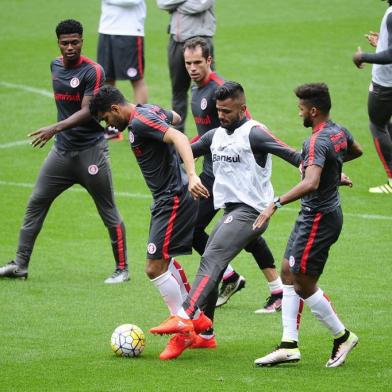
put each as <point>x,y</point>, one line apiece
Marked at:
<point>180,81</point>
<point>266,262</point>
<point>53,179</point>
<point>100,186</point>
<point>380,111</point>
<point>139,91</point>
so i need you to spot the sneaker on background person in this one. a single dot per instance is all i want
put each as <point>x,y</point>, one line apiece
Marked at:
<point>384,188</point>
<point>13,270</point>
<point>229,287</point>
<point>273,304</point>
<point>118,276</point>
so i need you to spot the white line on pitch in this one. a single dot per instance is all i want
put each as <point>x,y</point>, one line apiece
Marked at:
<point>14,144</point>
<point>29,89</point>
<point>121,194</point>
<point>145,196</point>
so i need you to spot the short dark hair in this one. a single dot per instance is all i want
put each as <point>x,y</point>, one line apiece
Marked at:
<point>229,89</point>
<point>69,26</point>
<point>104,99</point>
<point>194,42</point>
<point>315,94</point>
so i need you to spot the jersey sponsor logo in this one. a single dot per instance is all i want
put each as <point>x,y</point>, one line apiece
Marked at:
<point>225,158</point>
<point>203,104</point>
<point>229,219</point>
<point>67,97</point>
<point>74,82</point>
<point>199,120</point>
<point>291,261</point>
<point>93,170</point>
<point>131,72</point>
<point>151,248</point>
<point>131,137</point>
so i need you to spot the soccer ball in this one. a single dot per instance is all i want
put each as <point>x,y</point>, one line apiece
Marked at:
<point>128,340</point>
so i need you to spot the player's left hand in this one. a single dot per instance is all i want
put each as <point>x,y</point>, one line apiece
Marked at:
<point>196,188</point>
<point>42,136</point>
<point>345,180</point>
<point>357,58</point>
<point>264,216</point>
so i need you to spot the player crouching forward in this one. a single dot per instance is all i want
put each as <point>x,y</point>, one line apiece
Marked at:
<point>317,227</point>
<point>173,213</point>
<point>242,165</point>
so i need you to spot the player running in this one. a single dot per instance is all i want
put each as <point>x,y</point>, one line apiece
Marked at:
<point>156,146</point>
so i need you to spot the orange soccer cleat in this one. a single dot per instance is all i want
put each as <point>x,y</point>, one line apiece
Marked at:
<point>174,324</point>
<point>201,342</point>
<point>177,344</point>
<point>202,323</point>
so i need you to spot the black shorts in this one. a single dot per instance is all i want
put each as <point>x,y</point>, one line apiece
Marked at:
<point>121,56</point>
<point>312,236</point>
<point>171,227</point>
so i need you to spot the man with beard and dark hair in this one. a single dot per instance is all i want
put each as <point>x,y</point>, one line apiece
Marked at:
<point>198,59</point>
<point>80,154</point>
<point>380,95</point>
<point>241,151</point>
<point>317,227</point>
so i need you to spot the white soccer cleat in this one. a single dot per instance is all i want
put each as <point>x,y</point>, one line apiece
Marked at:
<point>341,350</point>
<point>118,276</point>
<point>279,356</point>
<point>385,188</point>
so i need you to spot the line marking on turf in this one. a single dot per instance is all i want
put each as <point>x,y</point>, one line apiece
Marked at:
<point>121,194</point>
<point>146,196</point>
<point>29,89</point>
<point>15,144</point>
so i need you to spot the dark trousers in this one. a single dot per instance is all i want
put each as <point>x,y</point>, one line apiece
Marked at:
<point>60,170</point>
<point>380,112</point>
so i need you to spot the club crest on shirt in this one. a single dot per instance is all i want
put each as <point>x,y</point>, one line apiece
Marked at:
<point>228,219</point>
<point>291,261</point>
<point>151,248</point>
<point>131,72</point>
<point>74,82</point>
<point>93,170</point>
<point>131,137</point>
<point>203,104</point>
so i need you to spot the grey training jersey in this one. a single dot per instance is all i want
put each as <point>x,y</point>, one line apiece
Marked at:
<point>204,112</point>
<point>326,147</point>
<point>242,162</point>
<point>158,161</point>
<point>70,85</point>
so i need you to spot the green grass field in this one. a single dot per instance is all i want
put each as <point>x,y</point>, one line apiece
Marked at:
<point>55,327</point>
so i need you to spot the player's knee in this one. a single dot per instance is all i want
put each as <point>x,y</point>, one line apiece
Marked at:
<point>285,273</point>
<point>155,268</point>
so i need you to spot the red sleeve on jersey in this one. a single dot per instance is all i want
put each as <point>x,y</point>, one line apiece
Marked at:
<point>219,81</point>
<point>98,72</point>
<point>194,139</point>
<point>150,123</point>
<point>269,133</point>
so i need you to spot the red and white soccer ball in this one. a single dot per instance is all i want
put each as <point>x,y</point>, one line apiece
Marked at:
<point>128,340</point>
